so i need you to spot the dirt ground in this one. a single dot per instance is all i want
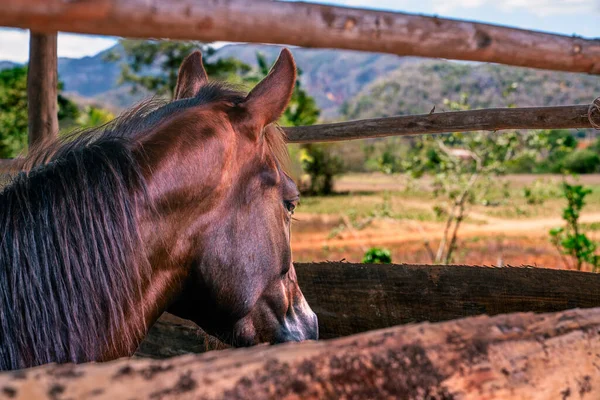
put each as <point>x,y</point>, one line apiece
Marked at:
<point>486,237</point>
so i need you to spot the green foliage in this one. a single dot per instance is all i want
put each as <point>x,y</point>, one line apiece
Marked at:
<point>569,240</point>
<point>94,116</point>
<point>466,168</point>
<point>538,192</point>
<point>154,64</point>
<point>584,161</point>
<point>376,255</point>
<point>322,165</point>
<point>13,111</point>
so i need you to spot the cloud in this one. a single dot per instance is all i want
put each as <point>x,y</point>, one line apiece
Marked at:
<point>14,45</point>
<point>540,8</point>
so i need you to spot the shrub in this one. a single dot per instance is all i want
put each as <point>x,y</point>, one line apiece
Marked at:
<point>570,240</point>
<point>582,162</point>
<point>321,164</point>
<point>523,164</point>
<point>376,255</point>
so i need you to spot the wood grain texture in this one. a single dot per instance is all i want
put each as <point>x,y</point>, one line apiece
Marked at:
<point>308,25</point>
<point>352,298</point>
<point>42,88</point>
<point>457,121</point>
<point>517,356</point>
<point>171,336</point>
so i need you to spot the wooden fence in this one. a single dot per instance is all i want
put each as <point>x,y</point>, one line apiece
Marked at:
<point>313,25</point>
<point>519,355</point>
<point>308,25</point>
<point>515,356</point>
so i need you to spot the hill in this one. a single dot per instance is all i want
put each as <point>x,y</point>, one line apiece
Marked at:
<point>417,87</point>
<point>353,85</point>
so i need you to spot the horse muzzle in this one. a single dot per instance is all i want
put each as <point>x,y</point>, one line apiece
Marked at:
<point>301,323</point>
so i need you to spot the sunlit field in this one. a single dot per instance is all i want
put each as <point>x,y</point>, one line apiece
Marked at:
<point>507,227</point>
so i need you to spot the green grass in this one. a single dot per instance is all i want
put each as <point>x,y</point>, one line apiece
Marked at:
<point>593,226</point>
<point>509,202</point>
<point>359,206</point>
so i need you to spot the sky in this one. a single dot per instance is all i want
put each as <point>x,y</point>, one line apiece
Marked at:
<point>580,17</point>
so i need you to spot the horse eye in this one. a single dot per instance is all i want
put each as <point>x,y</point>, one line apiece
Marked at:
<point>289,205</point>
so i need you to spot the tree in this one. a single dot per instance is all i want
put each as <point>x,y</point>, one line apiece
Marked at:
<point>153,64</point>
<point>13,111</point>
<point>464,168</point>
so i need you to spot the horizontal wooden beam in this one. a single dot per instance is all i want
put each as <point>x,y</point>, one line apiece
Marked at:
<point>353,298</point>
<point>493,119</point>
<point>517,356</point>
<point>309,25</point>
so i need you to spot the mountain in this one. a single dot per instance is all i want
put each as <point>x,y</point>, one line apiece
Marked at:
<point>416,88</point>
<point>354,85</point>
<point>331,76</point>
<point>7,65</point>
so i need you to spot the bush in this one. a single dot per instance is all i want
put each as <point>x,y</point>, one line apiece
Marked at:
<point>582,162</point>
<point>376,255</point>
<point>322,165</point>
<point>523,164</point>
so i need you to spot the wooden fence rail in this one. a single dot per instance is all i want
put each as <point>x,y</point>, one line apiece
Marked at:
<point>309,25</point>
<point>517,356</point>
<point>354,298</point>
<point>582,116</point>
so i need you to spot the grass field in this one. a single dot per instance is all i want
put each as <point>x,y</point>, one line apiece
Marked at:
<point>505,228</point>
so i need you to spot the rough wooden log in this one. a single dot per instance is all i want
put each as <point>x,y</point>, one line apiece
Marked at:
<point>42,87</point>
<point>517,356</point>
<point>493,119</point>
<point>171,336</point>
<point>309,25</point>
<point>352,298</point>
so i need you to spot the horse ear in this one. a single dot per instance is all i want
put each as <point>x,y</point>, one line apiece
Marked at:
<point>192,76</point>
<point>269,99</point>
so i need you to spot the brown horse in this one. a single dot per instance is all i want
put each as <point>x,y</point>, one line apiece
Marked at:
<point>184,207</point>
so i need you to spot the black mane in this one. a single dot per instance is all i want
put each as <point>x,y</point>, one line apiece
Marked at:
<point>71,271</point>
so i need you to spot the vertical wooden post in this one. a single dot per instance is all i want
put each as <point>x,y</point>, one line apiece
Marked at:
<point>42,82</point>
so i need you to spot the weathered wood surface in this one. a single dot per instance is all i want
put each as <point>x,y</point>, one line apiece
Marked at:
<point>42,88</point>
<point>309,25</point>
<point>517,356</point>
<point>354,298</point>
<point>443,122</point>
<point>171,336</point>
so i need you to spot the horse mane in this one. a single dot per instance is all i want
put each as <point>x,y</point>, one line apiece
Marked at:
<point>71,271</point>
